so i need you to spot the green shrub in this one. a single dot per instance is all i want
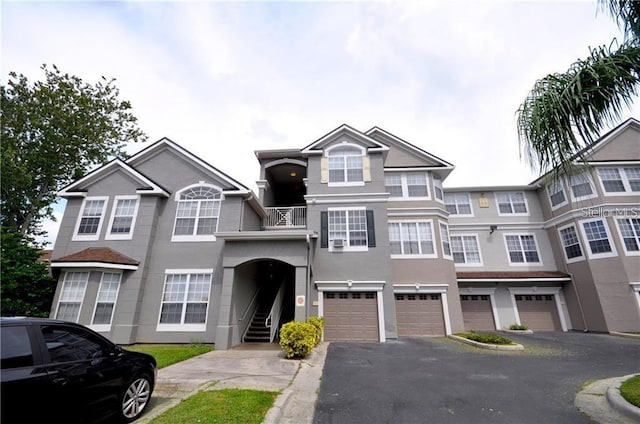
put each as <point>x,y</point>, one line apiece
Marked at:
<point>518,327</point>
<point>297,339</point>
<point>318,324</point>
<point>488,338</point>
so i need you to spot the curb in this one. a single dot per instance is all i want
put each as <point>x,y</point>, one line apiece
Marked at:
<point>516,346</point>
<point>627,335</point>
<point>619,403</point>
<point>506,330</point>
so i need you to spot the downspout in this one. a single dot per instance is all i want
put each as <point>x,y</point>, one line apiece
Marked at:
<point>308,275</point>
<point>241,222</point>
<point>575,288</point>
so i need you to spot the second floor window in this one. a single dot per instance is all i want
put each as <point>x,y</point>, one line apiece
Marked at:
<point>511,203</point>
<point>620,180</point>
<point>197,213</point>
<point>123,217</point>
<point>465,249</point>
<point>570,243</point>
<point>446,242</point>
<point>411,238</point>
<point>597,235</point>
<point>437,187</point>
<point>556,194</point>
<point>91,218</point>
<point>522,249</point>
<point>408,185</point>
<point>345,165</point>
<point>581,186</point>
<point>630,233</point>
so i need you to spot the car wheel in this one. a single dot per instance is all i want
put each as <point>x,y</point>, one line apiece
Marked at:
<point>135,398</point>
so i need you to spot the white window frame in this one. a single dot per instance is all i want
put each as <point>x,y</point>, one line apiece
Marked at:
<point>564,246</point>
<point>464,251</point>
<point>445,231</point>
<point>456,203</point>
<point>345,182</point>
<point>587,175</point>
<point>347,247</point>
<point>525,263</point>
<point>429,222</point>
<point>623,177</point>
<point>78,294</point>
<point>437,188</point>
<point>200,327</point>
<point>196,237</point>
<point>637,236</point>
<point>635,286</point>
<point>96,236</point>
<point>524,199</point>
<point>560,185</point>
<point>612,244</point>
<point>405,185</point>
<point>106,327</point>
<point>114,208</point>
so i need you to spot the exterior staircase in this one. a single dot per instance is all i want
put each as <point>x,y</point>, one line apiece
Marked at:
<point>258,332</point>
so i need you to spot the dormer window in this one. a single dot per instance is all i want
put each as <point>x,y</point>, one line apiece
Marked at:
<point>346,165</point>
<point>197,213</point>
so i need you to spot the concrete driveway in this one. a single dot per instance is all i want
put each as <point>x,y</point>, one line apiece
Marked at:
<point>439,380</point>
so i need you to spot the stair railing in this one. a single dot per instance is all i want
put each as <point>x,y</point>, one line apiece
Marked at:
<point>246,311</point>
<point>274,314</point>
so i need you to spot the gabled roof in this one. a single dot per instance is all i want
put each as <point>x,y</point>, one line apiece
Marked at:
<point>167,143</point>
<point>147,186</point>
<point>596,145</point>
<point>96,257</point>
<point>317,146</point>
<point>408,146</point>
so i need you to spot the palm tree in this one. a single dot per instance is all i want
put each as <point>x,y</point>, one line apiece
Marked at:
<point>564,112</point>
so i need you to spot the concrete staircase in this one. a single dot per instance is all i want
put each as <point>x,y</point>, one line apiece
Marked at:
<point>258,332</point>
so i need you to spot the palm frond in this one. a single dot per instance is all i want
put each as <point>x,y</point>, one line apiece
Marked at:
<point>626,13</point>
<point>565,112</point>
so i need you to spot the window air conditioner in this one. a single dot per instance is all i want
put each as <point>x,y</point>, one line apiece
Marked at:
<point>338,243</point>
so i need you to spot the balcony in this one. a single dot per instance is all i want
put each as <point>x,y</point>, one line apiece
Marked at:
<point>285,218</point>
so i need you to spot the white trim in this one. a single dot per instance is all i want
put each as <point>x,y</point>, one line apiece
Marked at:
<point>623,177</point>
<point>420,288</point>
<point>612,244</point>
<point>524,198</point>
<point>594,192</point>
<point>446,225</point>
<point>105,327</point>
<point>122,236</point>
<point>595,211</point>
<point>562,245</point>
<point>196,237</point>
<point>513,280</point>
<point>188,271</point>
<point>107,265</point>
<point>484,291</point>
<point>413,256</point>
<point>345,182</point>
<point>90,237</point>
<point>624,245</point>
<point>345,129</point>
<point>525,263</point>
<point>469,202</point>
<point>636,288</point>
<point>404,185</point>
<point>181,327</point>
<point>533,291</point>
<point>346,247</point>
<point>82,298</point>
<point>564,194</point>
<point>467,264</point>
<point>354,286</point>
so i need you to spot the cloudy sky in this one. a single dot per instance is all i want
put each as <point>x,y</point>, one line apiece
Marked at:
<point>224,79</point>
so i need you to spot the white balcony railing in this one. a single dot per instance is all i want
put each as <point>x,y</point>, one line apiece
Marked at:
<point>286,217</point>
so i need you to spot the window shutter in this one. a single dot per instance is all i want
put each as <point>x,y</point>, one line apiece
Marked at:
<point>324,229</point>
<point>366,168</point>
<point>371,231</point>
<point>324,170</point>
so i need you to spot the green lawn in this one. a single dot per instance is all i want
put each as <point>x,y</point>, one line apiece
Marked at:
<point>630,390</point>
<point>170,354</point>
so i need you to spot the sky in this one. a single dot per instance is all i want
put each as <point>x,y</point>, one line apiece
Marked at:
<point>224,79</point>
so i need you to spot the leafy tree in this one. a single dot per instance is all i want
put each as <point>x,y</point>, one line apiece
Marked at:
<point>586,98</point>
<point>27,288</point>
<point>52,132</point>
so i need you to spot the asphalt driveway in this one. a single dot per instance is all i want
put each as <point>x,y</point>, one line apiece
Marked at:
<point>439,380</point>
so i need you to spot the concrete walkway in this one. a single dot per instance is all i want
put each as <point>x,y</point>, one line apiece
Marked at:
<point>248,366</point>
<point>602,402</point>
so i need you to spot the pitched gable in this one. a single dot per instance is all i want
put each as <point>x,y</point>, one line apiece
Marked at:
<point>623,143</point>
<point>344,133</point>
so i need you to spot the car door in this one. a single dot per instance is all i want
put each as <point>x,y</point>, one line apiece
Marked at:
<point>82,370</point>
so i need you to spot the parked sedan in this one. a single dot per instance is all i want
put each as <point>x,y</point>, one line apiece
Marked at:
<point>65,372</point>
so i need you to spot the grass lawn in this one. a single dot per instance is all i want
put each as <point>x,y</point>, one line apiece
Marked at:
<point>630,390</point>
<point>170,354</point>
<point>228,406</point>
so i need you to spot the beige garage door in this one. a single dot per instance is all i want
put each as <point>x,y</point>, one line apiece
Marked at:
<point>477,312</point>
<point>538,312</point>
<point>419,315</point>
<point>350,316</point>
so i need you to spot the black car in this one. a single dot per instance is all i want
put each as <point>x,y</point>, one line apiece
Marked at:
<point>60,371</point>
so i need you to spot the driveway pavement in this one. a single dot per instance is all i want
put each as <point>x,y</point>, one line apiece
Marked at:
<point>439,380</point>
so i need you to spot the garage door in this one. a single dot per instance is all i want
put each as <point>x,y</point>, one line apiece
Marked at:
<point>419,315</point>
<point>538,312</point>
<point>350,316</point>
<point>477,313</point>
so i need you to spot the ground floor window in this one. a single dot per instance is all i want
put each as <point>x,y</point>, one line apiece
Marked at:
<point>185,301</point>
<point>106,301</point>
<point>71,295</point>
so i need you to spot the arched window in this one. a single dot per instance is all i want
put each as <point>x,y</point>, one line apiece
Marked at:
<point>345,164</point>
<point>197,213</point>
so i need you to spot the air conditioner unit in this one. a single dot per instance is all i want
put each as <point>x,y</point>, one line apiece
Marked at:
<point>338,243</point>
